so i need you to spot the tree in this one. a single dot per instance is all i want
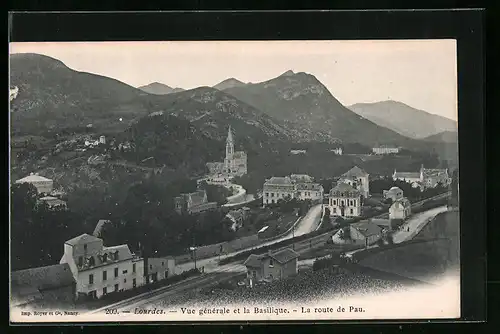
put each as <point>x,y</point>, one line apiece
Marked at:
<point>326,216</point>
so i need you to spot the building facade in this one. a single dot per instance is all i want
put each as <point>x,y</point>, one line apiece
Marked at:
<point>193,203</point>
<point>99,270</point>
<point>158,268</point>
<point>425,178</point>
<point>42,184</point>
<point>385,150</point>
<point>365,233</point>
<point>400,209</point>
<point>272,266</point>
<point>344,201</point>
<point>298,186</point>
<point>358,179</point>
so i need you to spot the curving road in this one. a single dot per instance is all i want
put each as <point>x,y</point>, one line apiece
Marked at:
<point>306,225</point>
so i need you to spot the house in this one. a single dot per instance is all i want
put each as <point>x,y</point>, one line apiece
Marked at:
<point>102,140</point>
<point>158,268</point>
<point>53,202</point>
<point>277,188</point>
<point>298,186</point>
<point>272,266</point>
<point>344,201</point>
<point>99,227</point>
<point>193,203</point>
<point>51,285</point>
<point>385,150</point>
<point>99,270</point>
<point>358,179</point>
<point>42,184</point>
<point>400,209</point>
<point>394,193</point>
<point>364,233</point>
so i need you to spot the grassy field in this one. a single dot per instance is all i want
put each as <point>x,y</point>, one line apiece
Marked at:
<point>434,252</point>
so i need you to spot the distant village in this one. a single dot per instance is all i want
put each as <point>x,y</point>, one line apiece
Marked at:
<point>89,269</point>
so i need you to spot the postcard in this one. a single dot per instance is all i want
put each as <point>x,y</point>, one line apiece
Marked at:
<point>234,181</point>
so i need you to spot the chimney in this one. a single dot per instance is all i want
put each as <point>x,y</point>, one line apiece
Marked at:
<point>269,252</point>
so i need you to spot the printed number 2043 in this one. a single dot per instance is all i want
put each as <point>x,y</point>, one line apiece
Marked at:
<point>111,311</point>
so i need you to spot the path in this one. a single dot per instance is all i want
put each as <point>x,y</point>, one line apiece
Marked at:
<point>306,225</point>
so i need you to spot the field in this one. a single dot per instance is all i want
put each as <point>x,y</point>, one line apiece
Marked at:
<point>307,286</point>
<point>434,251</point>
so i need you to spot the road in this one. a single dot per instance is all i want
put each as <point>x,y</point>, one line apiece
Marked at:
<point>306,225</point>
<point>415,224</point>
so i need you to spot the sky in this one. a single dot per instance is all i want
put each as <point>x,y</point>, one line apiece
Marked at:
<point>420,73</point>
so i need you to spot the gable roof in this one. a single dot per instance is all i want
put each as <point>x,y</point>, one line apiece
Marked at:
<point>401,203</point>
<point>41,278</point>
<point>285,255</point>
<point>355,172</point>
<point>367,228</point>
<point>280,180</point>
<point>82,239</point>
<point>33,178</point>
<point>342,186</point>
<point>253,261</point>
<point>406,175</point>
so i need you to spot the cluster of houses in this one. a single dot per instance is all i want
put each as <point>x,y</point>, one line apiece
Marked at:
<point>425,178</point>
<point>298,186</point>
<point>45,191</point>
<point>192,203</point>
<point>87,270</point>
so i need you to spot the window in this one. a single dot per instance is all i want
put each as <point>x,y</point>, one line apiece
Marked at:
<point>116,287</point>
<point>104,275</point>
<point>271,263</point>
<point>80,261</point>
<point>105,291</point>
<point>354,202</point>
<point>91,279</point>
<point>150,267</point>
<point>267,194</point>
<point>334,210</point>
<point>105,257</point>
<point>124,280</point>
<point>272,194</point>
<point>125,271</point>
<point>133,268</point>
<point>85,247</point>
<point>334,202</point>
<point>134,283</point>
<point>91,261</point>
<point>272,201</point>
<point>116,272</point>
<point>352,211</point>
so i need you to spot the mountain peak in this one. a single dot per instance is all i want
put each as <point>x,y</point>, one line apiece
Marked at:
<point>287,73</point>
<point>229,83</point>
<point>158,88</point>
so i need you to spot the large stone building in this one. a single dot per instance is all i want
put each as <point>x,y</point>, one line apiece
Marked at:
<point>298,186</point>
<point>425,178</point>
<point>99,270</point>
<point>344,201</point>
<point>358,179</point>
<point>193,203</point>
<point>235,162</point>
<point>42,184</point>
<point>272,266</point>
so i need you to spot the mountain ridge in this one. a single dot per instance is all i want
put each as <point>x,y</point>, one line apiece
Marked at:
<point>404,119</point>
<point>158,88</point>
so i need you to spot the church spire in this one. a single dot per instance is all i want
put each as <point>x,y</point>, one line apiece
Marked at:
<point>229,136</point>
<point>229,145</point>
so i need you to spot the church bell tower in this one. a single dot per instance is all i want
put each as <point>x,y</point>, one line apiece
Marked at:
<point>229,151</point>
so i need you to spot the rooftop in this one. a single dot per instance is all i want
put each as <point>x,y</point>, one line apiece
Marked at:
<point>343,187</point>
<point>33,178</point>
<point>253,261</point>
<point>355,172</point>
<point>99,226</point>
<point>367,228</point>
<point>279,180</point>
<point>82,239</point>
<point>285,255</point>
<point>406,175</point>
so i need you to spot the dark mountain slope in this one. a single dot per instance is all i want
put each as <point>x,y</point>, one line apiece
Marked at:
<point>300,98</point>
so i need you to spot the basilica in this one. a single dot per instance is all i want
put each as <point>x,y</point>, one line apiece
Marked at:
<point>235,162</point>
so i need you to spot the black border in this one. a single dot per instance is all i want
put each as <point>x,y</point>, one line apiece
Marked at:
<point>464,25</point>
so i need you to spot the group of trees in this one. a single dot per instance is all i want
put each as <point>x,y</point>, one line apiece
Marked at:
<point>142,215</point>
